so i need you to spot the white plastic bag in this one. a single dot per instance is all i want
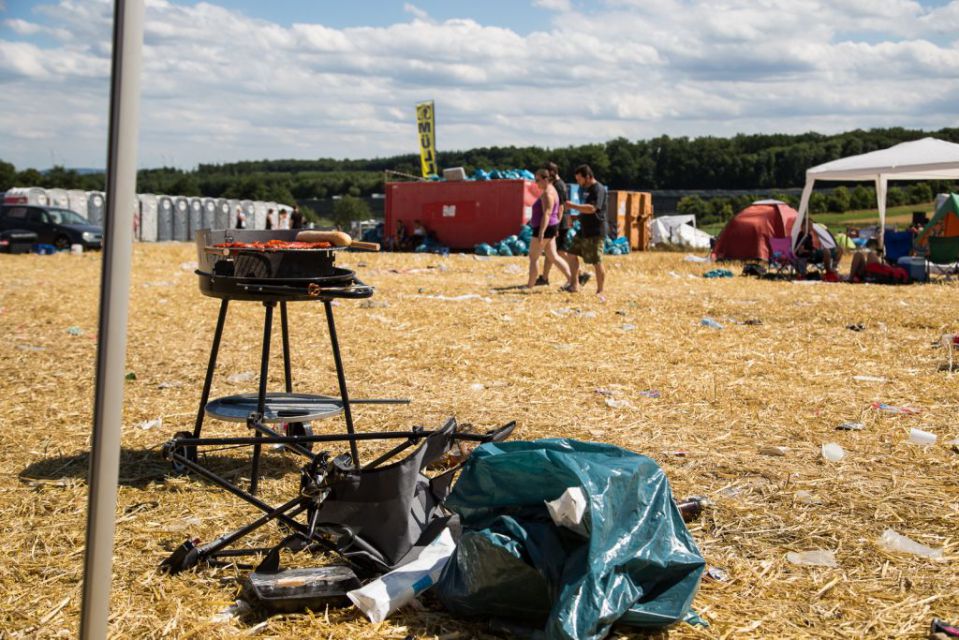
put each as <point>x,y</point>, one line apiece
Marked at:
<point>569,509</point>
<point>892,541</point>
<point>389,592</point>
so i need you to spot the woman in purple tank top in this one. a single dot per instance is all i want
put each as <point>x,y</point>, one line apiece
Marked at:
<point>545,227</point>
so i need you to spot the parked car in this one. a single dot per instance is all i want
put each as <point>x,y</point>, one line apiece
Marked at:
<point>53,225</point>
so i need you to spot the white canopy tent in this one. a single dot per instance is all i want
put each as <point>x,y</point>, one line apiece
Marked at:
<point>925,159</point>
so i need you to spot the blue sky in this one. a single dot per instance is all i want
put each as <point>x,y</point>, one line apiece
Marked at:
<point>519,16</point>
<point>229,80</point>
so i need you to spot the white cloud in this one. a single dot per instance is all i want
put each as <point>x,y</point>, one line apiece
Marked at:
<point>219,86</point>
<point>416,12</point>
<point>563,6</point>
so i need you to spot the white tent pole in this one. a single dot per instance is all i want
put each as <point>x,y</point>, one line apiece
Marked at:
<point>881,188</point>
<point>114,300</point>
<point>803,208</point>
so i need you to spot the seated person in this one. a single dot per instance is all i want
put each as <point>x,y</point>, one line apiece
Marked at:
<point>401,241</point>
<point>808,250</point>
<point>419,233</point>
<point>860,259</point>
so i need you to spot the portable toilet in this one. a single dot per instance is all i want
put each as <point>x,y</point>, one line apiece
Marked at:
<point>196,217</point>
<point>259,214</point>
<point>181,219</point>
<point>58,198</point>
<point>224,216</point>
<point>148,217</point>
<point>234,206</point>
<point>164,218</point>
<point>96,207</point>
<point>26,195</point>
<point>272,206</point>
<point>250,211</point>
<point>208,217</point>
<point>77,200</point>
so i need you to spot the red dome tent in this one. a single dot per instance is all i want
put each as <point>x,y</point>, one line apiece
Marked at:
<point>746,235</point>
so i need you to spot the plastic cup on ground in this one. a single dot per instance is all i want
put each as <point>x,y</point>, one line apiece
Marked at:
<point>833,452</point>
<point>918,436</point>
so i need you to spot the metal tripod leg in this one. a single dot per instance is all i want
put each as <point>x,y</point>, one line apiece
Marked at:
<point>208,381</point>
<point>287,369</point>
<point>341,378</point>
<point>261,398</point>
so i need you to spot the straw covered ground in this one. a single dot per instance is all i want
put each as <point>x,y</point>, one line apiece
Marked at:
<point>558,364</point>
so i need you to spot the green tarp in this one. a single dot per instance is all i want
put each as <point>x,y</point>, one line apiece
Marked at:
<point>513,562</point>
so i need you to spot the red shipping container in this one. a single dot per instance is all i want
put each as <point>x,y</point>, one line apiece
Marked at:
<point>462,213</point>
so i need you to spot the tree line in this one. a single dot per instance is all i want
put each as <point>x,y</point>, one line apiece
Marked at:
<point>763,162</point>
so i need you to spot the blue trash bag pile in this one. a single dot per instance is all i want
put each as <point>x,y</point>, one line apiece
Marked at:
<point>376,234</point>
<point>718,273</point>
<point>431,245</point>
<point>502,174</point>
<point>617,247</point>
<point>631,560</point>
<point>611,247</point>
<point>44,249</point>
<point>514,245</point>
<point>518,244</point>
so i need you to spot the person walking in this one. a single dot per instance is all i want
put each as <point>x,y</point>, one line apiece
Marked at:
<point>562,233</point>
<point>588,243</point>
<point>545,223</point>
<point>284,220</point>
<point>269,218</point>
<point>240,218</point>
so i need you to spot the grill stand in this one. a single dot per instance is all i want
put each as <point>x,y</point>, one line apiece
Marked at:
<point>269,306</point>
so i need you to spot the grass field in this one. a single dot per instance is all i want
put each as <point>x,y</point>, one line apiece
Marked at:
<point>837,222</point>
<point>538,358</point>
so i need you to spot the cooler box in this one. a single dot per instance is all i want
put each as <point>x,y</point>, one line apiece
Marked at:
<point>916,266</point>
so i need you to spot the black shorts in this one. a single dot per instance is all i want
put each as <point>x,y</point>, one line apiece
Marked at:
<point>562,240</point>
<point>549,233</point>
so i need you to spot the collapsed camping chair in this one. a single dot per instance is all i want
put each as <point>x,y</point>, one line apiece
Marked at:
<point>374,518</point>
<point>943,256</point>
<point>782,260</point>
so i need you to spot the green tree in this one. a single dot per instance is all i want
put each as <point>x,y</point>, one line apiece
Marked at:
<point>692,205</point>
<point>839,200</point>
<point>862,198</point>
<point>349,208</point>
<point>61,178</point>
<point>8,176</point>
<point>920,192</point>
<point>818,203</point>
<point>29,178</point>
<point>895,197</point>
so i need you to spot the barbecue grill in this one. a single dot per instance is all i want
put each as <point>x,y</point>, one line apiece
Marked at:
<point>270,267</point>
<point>373,516</point>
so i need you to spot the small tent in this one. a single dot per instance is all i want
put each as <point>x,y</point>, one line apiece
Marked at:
<point>944,223</point>
<point>746,236</point>
<point>679,230</point>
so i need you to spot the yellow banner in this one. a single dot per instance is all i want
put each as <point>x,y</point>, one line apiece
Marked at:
<point>426,123</point>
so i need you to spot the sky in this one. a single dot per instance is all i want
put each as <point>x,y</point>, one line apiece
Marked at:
<point>231,80</point>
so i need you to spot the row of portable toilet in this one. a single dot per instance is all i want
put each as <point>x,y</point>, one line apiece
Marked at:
<point>88,204</point>
<point>164,218</point>
<point>158,218</point>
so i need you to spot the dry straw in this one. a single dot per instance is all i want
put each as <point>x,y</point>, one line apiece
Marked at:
<point>561,365</point>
